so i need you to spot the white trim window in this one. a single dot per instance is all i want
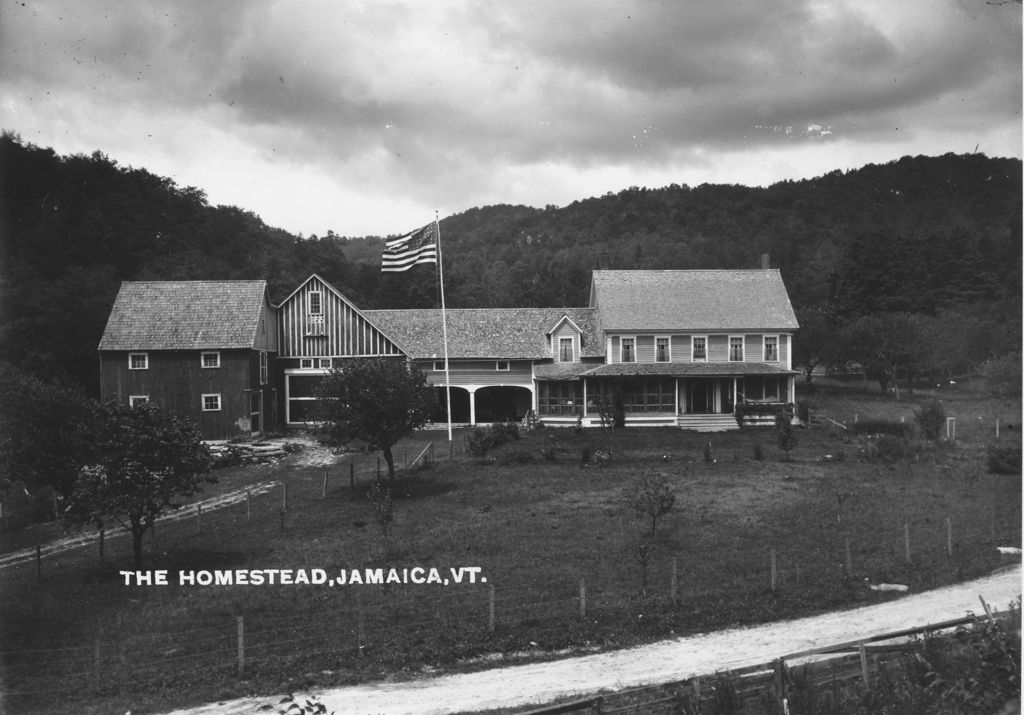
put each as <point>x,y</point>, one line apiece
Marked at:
<point>305,363</point>
<point>699,348</point>
<point>566,350</point>
<point>324,363</point>
<point>136,400</point>
<point>662,349</point>
<point>209,358</point>
<point>627,350</point>
<point>315,303</point>
<point>264,367</point>
<point>138,361</point>
<point>771,348</point>
<point>211,402</point>
<point>735,348</point>
<point>438,366</point>
<point>502,366</point>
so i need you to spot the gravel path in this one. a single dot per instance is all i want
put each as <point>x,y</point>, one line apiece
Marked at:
<point>664,661</point>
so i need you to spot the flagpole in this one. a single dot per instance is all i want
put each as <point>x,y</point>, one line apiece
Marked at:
<point>444,328</point>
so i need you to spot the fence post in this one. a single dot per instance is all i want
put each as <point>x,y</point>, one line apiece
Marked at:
<point>96,663</point>
<point>248,505</point>
<point>951,428</point>
<point>102,534</point>
<point>849,557</point>
<point>583,597</point>
<point>360,632</point>
<point>490,608</point>
<point>774,570</point>
<point>997,428</point>
<point>352,475</point>
<point>199,518</point>
<point>284,497</point>
<point>39,563</point>
<point>780,685</point>
<point>906,542</point>
<point>378,469</point>
<point>696,692</point>
<point>949,536</point>
<point>241,647</point>
<point>863,662</point>
<point>323,494</point>
<point>675,582</point>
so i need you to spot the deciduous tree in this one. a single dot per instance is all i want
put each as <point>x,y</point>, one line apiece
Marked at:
<point>376,400</point>
<point>145,462</point>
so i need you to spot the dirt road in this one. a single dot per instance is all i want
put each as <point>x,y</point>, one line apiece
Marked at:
<point>664,661</point>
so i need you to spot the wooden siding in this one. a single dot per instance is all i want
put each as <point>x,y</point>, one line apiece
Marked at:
<point>175,382</point>
<point>681,347</point>
<point>645,348</point>
<point>717,347</point>
<point>784,349</point>
<point>479,372</point>
<point>266,330</point>
<point>344,332</point>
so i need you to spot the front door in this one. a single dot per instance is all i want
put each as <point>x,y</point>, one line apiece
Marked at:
<point>701,397</point>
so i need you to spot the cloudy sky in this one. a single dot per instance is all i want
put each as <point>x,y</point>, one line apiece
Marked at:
<point>364,117</point>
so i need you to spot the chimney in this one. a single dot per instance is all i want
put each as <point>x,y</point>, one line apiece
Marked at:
<point>765,261</point>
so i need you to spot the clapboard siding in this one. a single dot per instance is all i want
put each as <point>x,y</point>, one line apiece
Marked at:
<point>479,372</point>
<point>565,330</point>
<point>341,330</point>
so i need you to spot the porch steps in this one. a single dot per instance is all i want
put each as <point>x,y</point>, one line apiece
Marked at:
<point>708,423</point>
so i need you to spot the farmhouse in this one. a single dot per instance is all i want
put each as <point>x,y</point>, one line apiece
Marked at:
<point>681,348</point>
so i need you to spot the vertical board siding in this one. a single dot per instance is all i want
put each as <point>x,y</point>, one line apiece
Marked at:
<point>346,332</point>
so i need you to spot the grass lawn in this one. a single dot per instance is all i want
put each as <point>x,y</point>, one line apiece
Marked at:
<point>537,521</point>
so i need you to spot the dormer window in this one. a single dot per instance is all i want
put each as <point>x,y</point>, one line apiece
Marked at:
<point>565,350</point>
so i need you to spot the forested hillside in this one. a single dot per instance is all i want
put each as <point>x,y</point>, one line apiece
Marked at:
<point>922,236</point>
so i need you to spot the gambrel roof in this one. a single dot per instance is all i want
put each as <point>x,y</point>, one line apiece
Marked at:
<point>184,315</point>
<point>685,301</point>
<point>502,333</point>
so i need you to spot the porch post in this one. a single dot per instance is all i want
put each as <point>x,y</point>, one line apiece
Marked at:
<point>584,380</point>
<point>677,395</point>
<point>472,405</point>
<point>735,395</point>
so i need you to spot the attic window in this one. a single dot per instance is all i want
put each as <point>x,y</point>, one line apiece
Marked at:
<point>771,348</point>
<point>565,351</point>
<point>138,361</point>
<point>501,366</point>
<point>628,351</point>
<point>316,306</point>
<point>210,358</point>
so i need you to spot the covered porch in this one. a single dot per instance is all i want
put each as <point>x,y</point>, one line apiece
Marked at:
<point>703,397</point>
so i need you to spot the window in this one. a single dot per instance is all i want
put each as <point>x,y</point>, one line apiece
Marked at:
<point>136,400</point>
<point>138,361</point>
<point>306,363</point>
<point>501,366</point>
<point>210,359</point>
<point>771,348</point>
<point>439,366</point>
<point>325,363</point>
<point>662,351</point>
<point>264,368</point>
<point>316,306</point>
<point>211,403</point>
<point>565,352</point>
<point>700,348</point>
<point>627,351</point>
<point>736,348</point>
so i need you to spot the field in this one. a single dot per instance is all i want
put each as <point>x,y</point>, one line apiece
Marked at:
<point>569,567</point>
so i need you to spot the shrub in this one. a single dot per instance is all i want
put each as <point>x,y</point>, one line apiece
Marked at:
<point>480,441</point>
<point>931,417</point>
<point>878,427</point>
<point>885,448</point>
<point>784,433</point>
<point>1004,460</point>
<point>803,411</point>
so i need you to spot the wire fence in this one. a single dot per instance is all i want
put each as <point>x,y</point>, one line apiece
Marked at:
<point>408,623</point>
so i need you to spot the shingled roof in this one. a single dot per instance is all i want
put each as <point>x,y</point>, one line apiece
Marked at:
<point>503,333</point>
<point>692,300</point>
<point>184,315</point>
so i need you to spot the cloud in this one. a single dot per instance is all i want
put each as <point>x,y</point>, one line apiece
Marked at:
<point>501,102</point>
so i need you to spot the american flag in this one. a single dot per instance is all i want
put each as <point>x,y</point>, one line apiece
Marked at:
<point>404,252</point>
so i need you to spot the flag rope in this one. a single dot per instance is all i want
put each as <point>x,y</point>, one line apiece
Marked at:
<point>444,328</point>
